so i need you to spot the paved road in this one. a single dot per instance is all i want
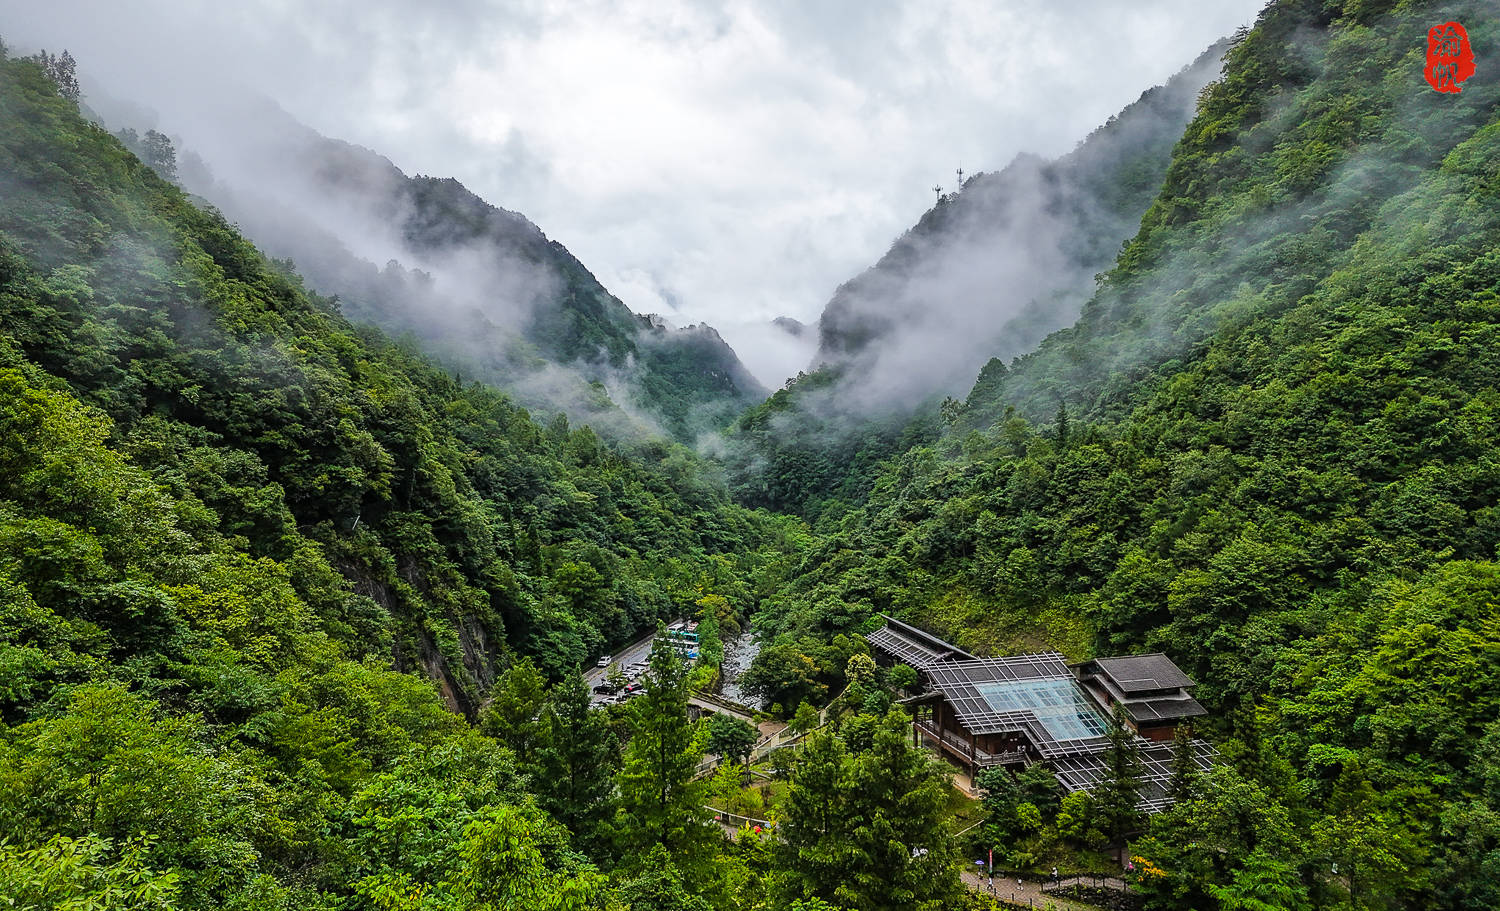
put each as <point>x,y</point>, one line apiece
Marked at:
<point>635,653</point>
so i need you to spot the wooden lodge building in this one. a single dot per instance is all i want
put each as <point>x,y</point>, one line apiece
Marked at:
<point>982,712</point>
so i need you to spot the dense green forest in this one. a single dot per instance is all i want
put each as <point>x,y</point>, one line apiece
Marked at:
<point>291,618</point>
<point>955,289</point>
<point>478,287</point>
<point>258,564</point>
<point>1267,449</point>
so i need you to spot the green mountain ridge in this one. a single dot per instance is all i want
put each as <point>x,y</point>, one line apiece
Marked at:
<point>253,557</point>
<point>295,437</point>
<point>481,287</point>
<point>1267,450</point>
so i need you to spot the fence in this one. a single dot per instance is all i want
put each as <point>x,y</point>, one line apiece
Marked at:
<point>1094,880</point>
<point>737,821</point>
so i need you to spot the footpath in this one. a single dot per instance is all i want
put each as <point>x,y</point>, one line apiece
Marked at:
<point>1027,895</point>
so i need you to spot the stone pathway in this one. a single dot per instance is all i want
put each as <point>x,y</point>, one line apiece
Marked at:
<point>1029,893</point>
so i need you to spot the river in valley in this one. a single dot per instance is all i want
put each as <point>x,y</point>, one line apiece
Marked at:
<point>738,653</point>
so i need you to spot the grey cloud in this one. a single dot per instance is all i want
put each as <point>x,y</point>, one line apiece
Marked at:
<point>752,153</point>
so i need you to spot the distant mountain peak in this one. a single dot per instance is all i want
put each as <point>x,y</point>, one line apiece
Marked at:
<point>995,266</point>
<point>479,285</point>
<point>792,327</point>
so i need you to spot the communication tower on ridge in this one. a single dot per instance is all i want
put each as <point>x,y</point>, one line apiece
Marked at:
<point>960,178</point>
<point>939,191</point>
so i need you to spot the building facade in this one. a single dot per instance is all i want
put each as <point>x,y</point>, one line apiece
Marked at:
<point>1010,712</point>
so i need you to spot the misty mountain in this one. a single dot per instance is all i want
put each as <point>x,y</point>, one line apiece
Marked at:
<point>480,286</point>
<point>1277,463</point>
<point>281,599</point>
<point>227,442</point>
<point>793,327</point>
<point>1006,259</point>
<point>983,277</point>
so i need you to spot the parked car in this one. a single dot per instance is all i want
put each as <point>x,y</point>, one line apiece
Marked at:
<point>606,661</point>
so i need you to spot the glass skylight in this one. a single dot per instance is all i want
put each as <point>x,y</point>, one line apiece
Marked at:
<point>1058,704</point>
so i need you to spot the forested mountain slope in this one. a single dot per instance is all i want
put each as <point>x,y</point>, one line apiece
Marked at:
<point>1007,257</point>
<point>987,273</point>
<point>257,565</point>
<point>1268,449</point>
<point>479,286</point>
<point>314,451</point>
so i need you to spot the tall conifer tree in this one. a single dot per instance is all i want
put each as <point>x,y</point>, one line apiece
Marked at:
<point>660,803</point>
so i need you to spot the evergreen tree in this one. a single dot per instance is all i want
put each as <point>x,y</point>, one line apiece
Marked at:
<point>859,670</point>
<point>1372,851</point>
<point>710,642</point>
<point>575,762</point>
<point>730,738</point>
<point>1184,765</point>
<point>660,803</point>
<point>952,410</point>
<point>1263,884</point>
<point>506,867</point>
<point>514,714</point>
<point>867,828</point>
<point>1039,787</point>
<point>816,826</point>
<point>660,886</point>
<point>805,718</point>
<point>901,678</point>
<point>1117,796</point>
<point>1001,799</point>
<point>63,71</point>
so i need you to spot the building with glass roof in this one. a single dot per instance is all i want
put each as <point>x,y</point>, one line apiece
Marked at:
<point>982,712</point>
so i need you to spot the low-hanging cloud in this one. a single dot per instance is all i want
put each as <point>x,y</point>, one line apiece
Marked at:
<point>992,270</point>
<point>753,153</point>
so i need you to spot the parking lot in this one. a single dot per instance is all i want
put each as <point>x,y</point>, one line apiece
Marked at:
<point>632,662</point>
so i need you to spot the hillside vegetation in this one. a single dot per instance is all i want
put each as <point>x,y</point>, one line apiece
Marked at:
<point>289,617</point>
<point>1267,449</point>
<point>480,288</point>
<point>985,275</point>
<point>404,512</point>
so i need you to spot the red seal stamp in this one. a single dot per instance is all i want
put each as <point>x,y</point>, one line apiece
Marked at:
<point>1450,57</point>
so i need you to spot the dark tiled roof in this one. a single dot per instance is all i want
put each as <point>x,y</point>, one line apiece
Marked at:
<point>1139,673</point>
<point>1163,709</point>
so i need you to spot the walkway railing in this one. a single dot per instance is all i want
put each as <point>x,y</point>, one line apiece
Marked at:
<point>736,821</point>
<point>720,704</point>
<point>1094,880</point>
<point>960,747</point>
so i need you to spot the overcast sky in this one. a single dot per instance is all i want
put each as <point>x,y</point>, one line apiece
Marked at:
<point>727,162</point>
